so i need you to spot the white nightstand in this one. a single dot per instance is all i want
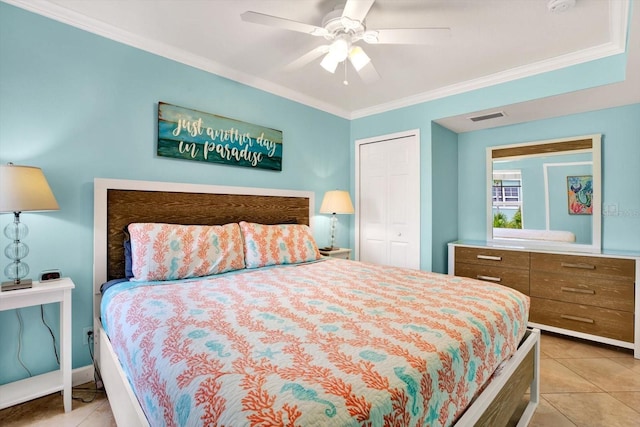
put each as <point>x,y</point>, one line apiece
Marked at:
<point>50,382</point>
<point>343,253</point>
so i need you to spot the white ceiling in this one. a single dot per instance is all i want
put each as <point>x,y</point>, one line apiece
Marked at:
<point>492,41</point>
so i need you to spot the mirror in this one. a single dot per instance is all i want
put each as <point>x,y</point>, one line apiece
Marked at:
<point>545,194</point>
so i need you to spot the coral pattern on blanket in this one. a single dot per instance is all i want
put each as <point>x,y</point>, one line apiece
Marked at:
<point>335,343</point>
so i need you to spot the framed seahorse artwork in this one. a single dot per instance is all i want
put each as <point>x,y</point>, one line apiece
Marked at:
<point>580,194</point>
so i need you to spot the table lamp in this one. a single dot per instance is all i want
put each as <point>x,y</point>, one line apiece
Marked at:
<point>336,202</point>
<point>22,189</point>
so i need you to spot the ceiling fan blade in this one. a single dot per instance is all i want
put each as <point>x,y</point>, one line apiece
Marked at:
<point>368,74</point>
<point>307,58</point>
<point>357,9</point>
<point>408,36</point>
<point>286,24</point>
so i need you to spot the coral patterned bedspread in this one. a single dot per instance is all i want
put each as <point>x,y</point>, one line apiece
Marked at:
<point>329,343</point>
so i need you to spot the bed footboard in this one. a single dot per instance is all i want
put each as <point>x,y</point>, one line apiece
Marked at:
<point>124,404</point>
<point>497,404</point>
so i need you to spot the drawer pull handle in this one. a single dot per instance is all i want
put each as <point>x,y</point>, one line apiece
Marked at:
<point>578,265</point>
<point>576,318</point>
<point>489,257</point>
<point>488,278</point>
<point>578,291</point>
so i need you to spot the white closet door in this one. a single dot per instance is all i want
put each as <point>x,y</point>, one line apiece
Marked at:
<point>389,201</point>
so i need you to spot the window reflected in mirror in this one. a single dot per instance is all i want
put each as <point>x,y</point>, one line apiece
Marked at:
<point>507,199</point>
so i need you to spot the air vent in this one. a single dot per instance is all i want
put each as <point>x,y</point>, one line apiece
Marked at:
<point>487,116</point>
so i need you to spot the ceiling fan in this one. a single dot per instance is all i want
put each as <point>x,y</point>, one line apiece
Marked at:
<point>343,28</point>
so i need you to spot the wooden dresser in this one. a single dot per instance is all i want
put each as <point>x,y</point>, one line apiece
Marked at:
<point>589,296</point>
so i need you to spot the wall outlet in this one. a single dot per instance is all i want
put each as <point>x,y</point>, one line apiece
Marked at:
<point>85,334</point>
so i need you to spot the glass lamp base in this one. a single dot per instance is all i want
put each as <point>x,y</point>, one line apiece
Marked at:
<point>13,286</point>
<point>16,251</point>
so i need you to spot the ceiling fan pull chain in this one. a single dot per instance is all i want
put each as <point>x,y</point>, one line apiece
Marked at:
<point>345,81</point>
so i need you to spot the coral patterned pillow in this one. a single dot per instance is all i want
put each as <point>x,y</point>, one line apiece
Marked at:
<point>277,244</point>
<point>172,251</point>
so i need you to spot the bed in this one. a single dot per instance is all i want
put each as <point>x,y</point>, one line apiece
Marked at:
<point>305,341</point>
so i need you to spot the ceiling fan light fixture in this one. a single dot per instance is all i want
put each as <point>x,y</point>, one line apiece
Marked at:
<point>345,26</point>
<point>358,58</point>
<point>329,63</point>
<point>339,49</point>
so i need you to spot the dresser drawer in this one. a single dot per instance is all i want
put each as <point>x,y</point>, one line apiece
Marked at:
<point>584,266</point>
<point>497,257</point>
<point>515,278</point>
<point>598,292</point>
<point>603,322</point>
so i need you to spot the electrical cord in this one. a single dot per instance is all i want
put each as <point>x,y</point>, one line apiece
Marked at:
<point>93,389</point>
<point>53,337</point>
<point>96,371</point>
<point>97,376</point>
<point>21,327</point>
<point>55,350</point>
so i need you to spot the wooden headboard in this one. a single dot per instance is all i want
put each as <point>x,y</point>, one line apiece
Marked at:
<point>118,203</point>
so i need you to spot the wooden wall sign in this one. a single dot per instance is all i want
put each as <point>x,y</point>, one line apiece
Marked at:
<point>194,135</point>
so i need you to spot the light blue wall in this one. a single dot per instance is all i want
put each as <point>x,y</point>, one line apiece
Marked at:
<point>620,128</point>
<point>420,116</point>
<point>80,106</point>
<point>444,171</point>
<point>559,216</point>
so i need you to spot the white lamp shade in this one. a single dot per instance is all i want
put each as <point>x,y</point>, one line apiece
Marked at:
<point>24,188</point>
<point>329,63</point>
<point>336,202</point>
<point>339,49</point>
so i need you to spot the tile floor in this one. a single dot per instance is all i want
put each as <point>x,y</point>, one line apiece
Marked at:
<point>582,384</point>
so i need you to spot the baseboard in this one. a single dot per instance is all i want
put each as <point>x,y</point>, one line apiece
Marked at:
<point>82,375</point>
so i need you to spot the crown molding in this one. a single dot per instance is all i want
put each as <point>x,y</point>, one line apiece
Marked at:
<point>619,11</point>
<point>83,22</point>
<point>618,26</point>
<point>557,63</point>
